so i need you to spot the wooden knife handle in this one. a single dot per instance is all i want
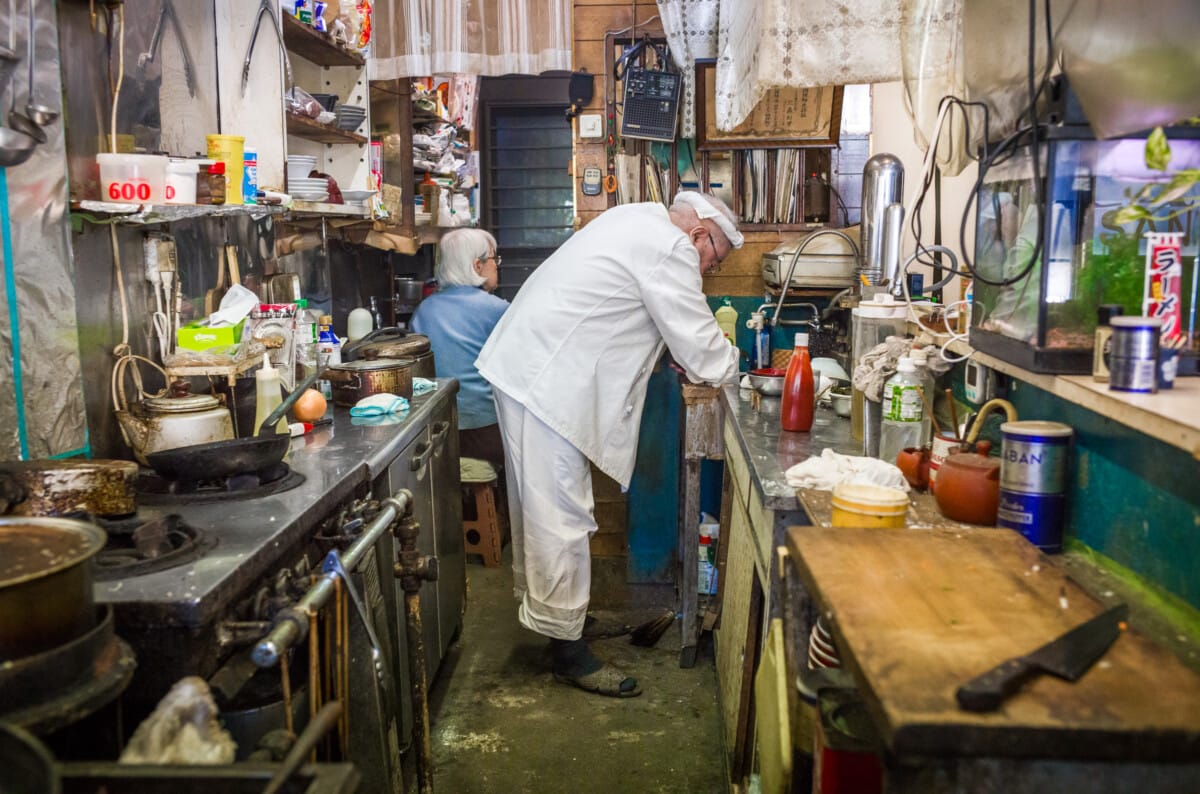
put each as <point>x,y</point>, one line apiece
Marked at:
<point>988,691</point>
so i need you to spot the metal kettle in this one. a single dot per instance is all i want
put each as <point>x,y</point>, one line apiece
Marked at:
<point>169,422</point>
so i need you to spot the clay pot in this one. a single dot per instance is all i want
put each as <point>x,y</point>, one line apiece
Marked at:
<point>914,465</point>
<point>968,487</point>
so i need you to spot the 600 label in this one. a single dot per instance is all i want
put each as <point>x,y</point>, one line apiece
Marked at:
<point>129,191</point>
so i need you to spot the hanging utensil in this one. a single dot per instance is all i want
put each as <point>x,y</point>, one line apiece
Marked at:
<point>19,121</point>
<point>167,14</point>
<point>41,115</point>
<point>16,144</point>
<point>266,9</point>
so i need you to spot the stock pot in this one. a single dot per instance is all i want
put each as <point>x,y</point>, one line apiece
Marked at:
<point>353,380</point>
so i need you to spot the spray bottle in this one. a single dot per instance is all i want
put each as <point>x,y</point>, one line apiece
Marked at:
<point>760,351</point>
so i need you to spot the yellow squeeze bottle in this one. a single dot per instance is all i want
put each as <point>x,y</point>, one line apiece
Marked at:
<point>727,318</point>
<point>269,396</point>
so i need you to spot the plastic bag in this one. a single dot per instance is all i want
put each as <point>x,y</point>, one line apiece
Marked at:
<point>301,103</point>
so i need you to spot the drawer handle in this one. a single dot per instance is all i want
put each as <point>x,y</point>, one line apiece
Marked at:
<point>421,456</point>
<point>439,432</point>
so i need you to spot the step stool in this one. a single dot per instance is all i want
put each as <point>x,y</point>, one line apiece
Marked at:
<point>483,523</point>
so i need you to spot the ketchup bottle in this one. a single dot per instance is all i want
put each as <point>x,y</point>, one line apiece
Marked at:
<point>797,409</point>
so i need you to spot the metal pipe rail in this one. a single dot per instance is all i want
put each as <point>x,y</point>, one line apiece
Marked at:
<point>787,281</point>
<point>291,624</point>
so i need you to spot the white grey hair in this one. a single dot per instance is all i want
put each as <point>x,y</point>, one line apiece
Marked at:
<point>456,257</point>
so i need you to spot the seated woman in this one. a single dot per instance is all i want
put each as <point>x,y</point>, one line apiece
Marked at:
<point>458,319</point>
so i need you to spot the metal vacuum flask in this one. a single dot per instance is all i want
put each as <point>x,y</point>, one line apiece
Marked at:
<point>883,184</point>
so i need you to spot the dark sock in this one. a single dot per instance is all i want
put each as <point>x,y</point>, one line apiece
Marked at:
<point>575,658</point>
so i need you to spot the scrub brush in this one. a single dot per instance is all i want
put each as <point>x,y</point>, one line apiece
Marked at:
<point>649,633</point>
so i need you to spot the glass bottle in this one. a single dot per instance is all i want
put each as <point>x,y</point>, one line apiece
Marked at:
<point>903,412</point>
<point>329,353</point>
<point>796,413</point>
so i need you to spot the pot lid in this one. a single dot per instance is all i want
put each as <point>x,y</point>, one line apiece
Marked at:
<point>180,405</point>
<point>972,460</point>
<point>364,365</point>
<point>389,342</point>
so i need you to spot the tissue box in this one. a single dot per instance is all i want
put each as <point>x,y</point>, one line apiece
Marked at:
<point>197,337</point>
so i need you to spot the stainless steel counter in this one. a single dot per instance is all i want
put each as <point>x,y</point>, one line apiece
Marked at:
<point>252,533</point>
<point>770,451</point>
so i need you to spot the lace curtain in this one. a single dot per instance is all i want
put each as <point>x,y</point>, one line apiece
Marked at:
<point>415,38</point>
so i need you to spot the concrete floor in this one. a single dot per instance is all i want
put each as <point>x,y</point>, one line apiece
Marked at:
<point>502,724</point>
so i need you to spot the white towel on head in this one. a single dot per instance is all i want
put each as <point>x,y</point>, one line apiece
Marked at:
<point>706,211</point>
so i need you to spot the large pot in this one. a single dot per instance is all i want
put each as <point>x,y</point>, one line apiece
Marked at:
<point>394,343</point>
<point>351,381</point>
<point>28,766</point>
<point>61,487</point>
<point>45,583</point>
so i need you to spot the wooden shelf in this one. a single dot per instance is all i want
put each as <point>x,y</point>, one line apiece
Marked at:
<point>1169,416</point>
<point>227,371</point>
<point>138,214</point>
<point>311,130</point>
<point>321,208</point>
<point>313,45</point>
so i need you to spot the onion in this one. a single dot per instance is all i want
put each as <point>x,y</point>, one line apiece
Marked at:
<point>309,406</point>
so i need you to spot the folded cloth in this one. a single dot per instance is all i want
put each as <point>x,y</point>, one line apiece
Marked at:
<point>832,468</point>
<point>380,405</point>
<point>877,365</point>
<point>423,385</point>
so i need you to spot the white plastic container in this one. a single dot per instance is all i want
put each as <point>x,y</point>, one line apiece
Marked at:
<point>133,178</point>
<point>181,181</point>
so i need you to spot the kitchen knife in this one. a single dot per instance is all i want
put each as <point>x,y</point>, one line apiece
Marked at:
<point>1067,657</point>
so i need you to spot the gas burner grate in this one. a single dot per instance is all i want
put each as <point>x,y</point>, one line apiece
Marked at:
<point>154,489</point>
<point>136,547</point>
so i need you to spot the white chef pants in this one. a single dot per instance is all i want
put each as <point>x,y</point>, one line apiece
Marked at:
<point>550,509</point>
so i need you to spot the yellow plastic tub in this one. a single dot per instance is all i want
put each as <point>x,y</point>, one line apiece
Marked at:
<point>875,506</point>
<point>230,150</point>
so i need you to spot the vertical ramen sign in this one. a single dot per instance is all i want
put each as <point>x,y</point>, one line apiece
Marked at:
<point>1163,295</point>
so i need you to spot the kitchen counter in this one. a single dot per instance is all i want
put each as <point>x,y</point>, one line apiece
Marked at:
<point>249,533</point>
<point>770,451</point>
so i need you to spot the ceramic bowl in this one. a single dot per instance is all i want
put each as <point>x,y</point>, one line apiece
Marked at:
<point>841,402</point>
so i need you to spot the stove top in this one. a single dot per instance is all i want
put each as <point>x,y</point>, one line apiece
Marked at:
<point>137,546</point>
<point>153,489</point>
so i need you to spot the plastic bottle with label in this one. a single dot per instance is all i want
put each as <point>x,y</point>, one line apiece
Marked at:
<point>307,328</point>
<point>727,318</point>
<point>920,357</point>
<point>796,412</point>
<point>268,396</point>
<point>760,351</point>
<point>903,413</point>
<point>710,528</point>
<point>329,352</point>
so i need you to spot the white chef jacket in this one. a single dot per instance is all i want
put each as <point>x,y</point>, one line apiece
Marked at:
<point>578,343</point>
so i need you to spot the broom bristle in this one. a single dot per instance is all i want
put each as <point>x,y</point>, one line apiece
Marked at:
<point>649,633</point>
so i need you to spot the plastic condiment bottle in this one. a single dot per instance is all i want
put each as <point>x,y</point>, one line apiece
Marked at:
<point>268,390</point>
<point>727,318</point>
<point>359,323</point>
<point>796,413</point>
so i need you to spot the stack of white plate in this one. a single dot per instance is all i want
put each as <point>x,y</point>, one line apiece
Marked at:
<point>306,189</point>
<point>350,116</point>
<point>299,166</point>
<point>821,650</point>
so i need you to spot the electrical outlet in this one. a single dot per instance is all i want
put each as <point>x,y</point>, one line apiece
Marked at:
<point>591,125</point>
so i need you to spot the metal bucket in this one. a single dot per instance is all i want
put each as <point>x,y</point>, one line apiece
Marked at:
<point>45,583</point>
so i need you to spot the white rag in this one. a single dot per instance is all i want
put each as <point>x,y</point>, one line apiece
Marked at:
<point>832,468</point>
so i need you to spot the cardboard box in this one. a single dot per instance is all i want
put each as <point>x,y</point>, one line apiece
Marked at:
<point>197,337</point>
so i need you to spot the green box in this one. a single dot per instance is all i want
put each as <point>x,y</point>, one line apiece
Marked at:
<point>194,336</point>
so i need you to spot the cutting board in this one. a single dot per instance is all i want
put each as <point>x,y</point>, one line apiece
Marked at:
<point>915,613</point>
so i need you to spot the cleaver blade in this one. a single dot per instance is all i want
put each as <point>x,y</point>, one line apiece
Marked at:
<point>1067,657</point>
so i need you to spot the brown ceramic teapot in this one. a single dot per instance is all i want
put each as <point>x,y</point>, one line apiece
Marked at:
<point>968,483</point>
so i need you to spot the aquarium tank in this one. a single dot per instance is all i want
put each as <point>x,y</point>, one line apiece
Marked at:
<point>1099,199</point>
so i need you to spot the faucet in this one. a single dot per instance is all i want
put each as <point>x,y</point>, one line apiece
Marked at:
<point>792,267</point>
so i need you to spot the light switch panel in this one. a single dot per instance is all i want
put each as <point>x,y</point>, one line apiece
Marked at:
<point>591,125</point>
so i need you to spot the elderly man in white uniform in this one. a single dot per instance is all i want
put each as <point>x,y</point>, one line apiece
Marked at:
<point>569,364</point>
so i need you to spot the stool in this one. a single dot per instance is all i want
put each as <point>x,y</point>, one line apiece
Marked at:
<point>483,525</point>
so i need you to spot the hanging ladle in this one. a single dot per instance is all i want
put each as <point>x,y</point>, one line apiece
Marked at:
<point>18,121</point>
<point>16,145</point>
<point>40,114</point>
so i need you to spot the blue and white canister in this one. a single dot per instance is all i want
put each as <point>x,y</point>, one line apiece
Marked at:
<point>1034,462</point>
<point>249,175</point>
<point>1134,363</point>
